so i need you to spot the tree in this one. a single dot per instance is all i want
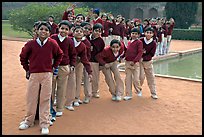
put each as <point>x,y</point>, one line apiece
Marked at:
<point>184,13</point>
<point>23,19</point>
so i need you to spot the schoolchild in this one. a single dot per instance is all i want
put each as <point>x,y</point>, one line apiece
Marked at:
<point>108,61</point>
<point>68,62</point>
<point>133,54</point>
<point>146,65</point>
<point>97,46</point>
<point>36,58</point>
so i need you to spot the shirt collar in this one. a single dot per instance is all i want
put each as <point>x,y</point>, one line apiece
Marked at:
<point>61,38</point>
<point>39,42</point>
<point>76,43</point>
<point>148,41</point>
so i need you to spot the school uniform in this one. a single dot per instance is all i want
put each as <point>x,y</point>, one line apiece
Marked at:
<point>87,83</point>
<point>169,36</point>
<point>36,57</point>
<point>133,53</point>
<point>54,28</point>
<point>116,85</point>
<point>118,31</point>
<point>146,65</point>
<point>97,45</point>
<point>164,26</point>
<point>82,60</point>
<point>105,35</point>
<point>69,59</point>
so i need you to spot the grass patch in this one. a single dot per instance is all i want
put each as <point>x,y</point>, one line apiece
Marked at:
<point>9,32</point>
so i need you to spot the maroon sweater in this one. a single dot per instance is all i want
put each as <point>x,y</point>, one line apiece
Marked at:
<point>81,53</point>
<point>118,30</point>
<point>38,59</point>
<point>97,45</point>
<point>170,29</point>
<point>106,26</point>
<point>150,50</point>
<point>67,46</point>
<point>107,56</point>
<point>88,48</point>
<point>54,28</point>
<point>134,51</point>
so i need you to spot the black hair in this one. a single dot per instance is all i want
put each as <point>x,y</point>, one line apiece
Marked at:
<point>115,41</point>
<point>51,16</point>
<point>65,22</point>
<point>84,23</point>
<point>77,27</point>
<point>104,14</point>
<point>45,24</point>
<point>149,29</point>
<point>97,26</point>
<point>135,29</point>
<point>36,23</point>
<point>80,15</point>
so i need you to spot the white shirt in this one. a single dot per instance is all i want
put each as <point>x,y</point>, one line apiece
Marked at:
<point>61,38</point>
<point>147,41</point>
<point>76,43</point>
<point>116,54</point>
<point>39,42</point>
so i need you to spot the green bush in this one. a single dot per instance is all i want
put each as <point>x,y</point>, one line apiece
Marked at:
<point>22,19</point>
<point>187,34</point>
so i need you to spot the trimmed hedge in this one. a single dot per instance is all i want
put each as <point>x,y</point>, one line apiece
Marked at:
<point>187,34</point>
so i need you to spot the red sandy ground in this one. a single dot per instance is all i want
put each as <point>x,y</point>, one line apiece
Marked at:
<point>177,111</point>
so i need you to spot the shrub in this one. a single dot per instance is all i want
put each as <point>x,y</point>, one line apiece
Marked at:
<point>187,34</point>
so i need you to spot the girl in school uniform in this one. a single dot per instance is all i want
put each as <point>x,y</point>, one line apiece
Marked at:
<point>108,60</point>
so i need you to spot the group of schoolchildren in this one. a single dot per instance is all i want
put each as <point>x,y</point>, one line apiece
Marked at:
<point>60,55</point>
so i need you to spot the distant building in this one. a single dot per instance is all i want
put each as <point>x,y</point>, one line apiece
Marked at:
<point>144,10</point>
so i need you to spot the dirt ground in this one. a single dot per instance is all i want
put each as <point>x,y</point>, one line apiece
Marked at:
<point>177,111</point>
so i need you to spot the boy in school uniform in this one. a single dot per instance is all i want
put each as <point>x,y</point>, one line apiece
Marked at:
<point>87,29</point>
<point>54,26</point>
<point>82,60</point>
<point>170,26</point>
<point>146,65</point>
<point>133,55</point>
<point>108,60</point>
<point>97,46</point>
<point>68,62</point>
<point>36,58</point>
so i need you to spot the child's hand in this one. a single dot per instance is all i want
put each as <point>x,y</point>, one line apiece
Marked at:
<point>132,63</point>
<point>72,68</point>
<point>90,78</point>
<point>27,75</point>
<point>107,66</point>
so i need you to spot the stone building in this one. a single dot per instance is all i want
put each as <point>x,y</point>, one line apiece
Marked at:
<point>144,10</point>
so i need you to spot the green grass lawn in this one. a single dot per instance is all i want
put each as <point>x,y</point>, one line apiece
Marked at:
<point>9,32</point>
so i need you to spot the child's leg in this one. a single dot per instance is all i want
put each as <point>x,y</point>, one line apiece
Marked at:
<point>62,86</point>
<point>45,96</point>
<point>79,72</point>
<point>87,85</point>
<point>32,98</point>
<point>37,110</point>
<point>165,45</point>
<point>136,77</point>
<point>95,80</point>
<point>71,88</point>
<point>109,80</point>
<point>142,73</point>
<point>118,80</point>
<point>128,79</point>
<point>149,71</point>
<point>168,43</point>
